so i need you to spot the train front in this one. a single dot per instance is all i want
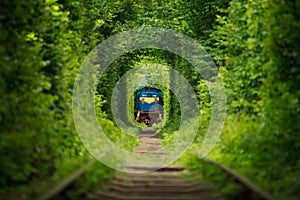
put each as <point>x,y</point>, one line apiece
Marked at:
<point>148,105</point>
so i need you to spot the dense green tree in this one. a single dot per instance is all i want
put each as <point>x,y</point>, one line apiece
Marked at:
<point>256,52</point>
<point>238,49</point>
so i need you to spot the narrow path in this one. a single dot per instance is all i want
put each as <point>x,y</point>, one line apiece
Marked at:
<point>150,143</point>
<point>164,184</point>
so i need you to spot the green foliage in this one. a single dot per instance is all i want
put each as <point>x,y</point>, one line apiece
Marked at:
<point>201,17</point>
<point>256,51</point>
<point>28,117</point>
<point>116,135</point>
<point>205,104</point>
<point>238,48</point>
<point>42,45</point>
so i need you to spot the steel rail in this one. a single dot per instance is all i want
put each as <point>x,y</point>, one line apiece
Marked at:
<point>253,191</point>
<point>53,192</point>
<point>66,182</point>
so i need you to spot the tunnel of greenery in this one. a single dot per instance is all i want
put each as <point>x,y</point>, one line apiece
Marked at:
<point>253,43</point>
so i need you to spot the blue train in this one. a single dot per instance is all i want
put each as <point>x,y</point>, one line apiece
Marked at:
<point>148,105</point>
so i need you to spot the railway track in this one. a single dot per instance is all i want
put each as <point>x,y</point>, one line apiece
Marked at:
<point>163,184</point>
<point>167,183</point>
<point>158,185</point>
